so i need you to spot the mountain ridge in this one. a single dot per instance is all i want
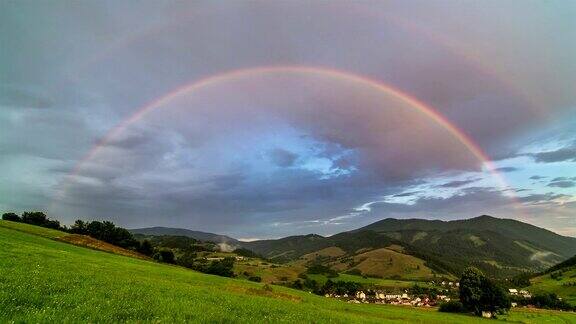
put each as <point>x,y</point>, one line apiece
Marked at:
<point>198,235</point>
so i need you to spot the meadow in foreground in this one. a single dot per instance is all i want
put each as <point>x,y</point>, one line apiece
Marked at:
<point>42,280</point>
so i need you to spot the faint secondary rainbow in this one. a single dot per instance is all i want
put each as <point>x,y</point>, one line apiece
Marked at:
<point>331,73</point>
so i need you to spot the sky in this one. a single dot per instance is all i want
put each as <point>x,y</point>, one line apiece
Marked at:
<point>262,119</point>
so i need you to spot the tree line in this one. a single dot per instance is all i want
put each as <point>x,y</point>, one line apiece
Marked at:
<point>101,230</point>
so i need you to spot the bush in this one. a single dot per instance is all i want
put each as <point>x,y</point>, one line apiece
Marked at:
<point>221,268</point>
<point>255,278</point>
<point>166,256</point>
<point>322,269</point>
<point>11,217</point>
<point>146,248</point>
<point>550,301</point>
<point>452,306</point>
<point>188,260</point>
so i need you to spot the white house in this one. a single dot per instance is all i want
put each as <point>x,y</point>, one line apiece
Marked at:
<point>360,295</point>
<point>513,291</point>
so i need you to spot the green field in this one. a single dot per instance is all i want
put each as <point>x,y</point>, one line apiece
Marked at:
<point>384,283</point>
<point>545,283</point>
<point>42,280</point>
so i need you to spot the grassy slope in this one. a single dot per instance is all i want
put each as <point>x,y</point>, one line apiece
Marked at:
<point>43,280</point>
<point>545,283</point>
<point>391,284</point>
<point>387,263</point>
<point>76,239</point>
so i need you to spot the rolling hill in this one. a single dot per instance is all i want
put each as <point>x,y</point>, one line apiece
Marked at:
<point>45,280</point>
<point>559,279</point>
<point>500,247</point>
<point>201,236</point>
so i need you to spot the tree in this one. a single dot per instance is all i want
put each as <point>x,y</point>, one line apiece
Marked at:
<point>166,256</point>
<point>79,227</point>
<point>494,298</point>
<point>222,268</point>
<point>471,289</point>
<point>478,293</point>
<point>11,217</point>
<point>50,223</point>
<point>146,248</point>
<point>34,218</point>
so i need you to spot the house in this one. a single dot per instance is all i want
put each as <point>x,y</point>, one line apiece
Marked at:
<point>360,295</point>
<point>513,291</point>
<point>525,293</point>
<point>442,297</point>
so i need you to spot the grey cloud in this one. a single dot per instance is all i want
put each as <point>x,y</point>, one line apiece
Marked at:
<point>561,155</point>
<point>562,184</point>
<point>282,158</point>
<point>506,169</point>
<point>537,177</point>
<point>74,72</point>
<point>457,183</point>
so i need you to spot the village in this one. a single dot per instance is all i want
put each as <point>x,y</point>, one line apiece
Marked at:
<point>376,296</point>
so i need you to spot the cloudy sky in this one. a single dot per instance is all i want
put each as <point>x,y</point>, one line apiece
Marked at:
<point>261,119</point>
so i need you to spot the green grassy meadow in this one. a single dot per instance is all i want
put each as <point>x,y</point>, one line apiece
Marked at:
<point>43,280</point>
<point>545,283</point>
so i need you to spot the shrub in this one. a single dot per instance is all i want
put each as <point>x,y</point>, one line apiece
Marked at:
<point>221,268</point>
<point>11,217</point>
<point>188,260</point>
<point>255,278</point>
<point>452,306</point>
<point>146,248</point>
<point>166,256</point>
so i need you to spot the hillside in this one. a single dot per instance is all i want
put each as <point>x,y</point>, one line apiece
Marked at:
<point>44,280</point>
<point>500,247</point>
<point>75,239</point>
<point>201,236</point>
<point>560,279</point>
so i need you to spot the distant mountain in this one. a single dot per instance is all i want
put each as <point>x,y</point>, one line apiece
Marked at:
<point>500,247</point>
<point>201,236</point>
